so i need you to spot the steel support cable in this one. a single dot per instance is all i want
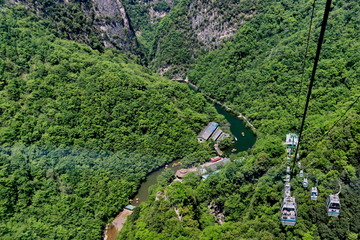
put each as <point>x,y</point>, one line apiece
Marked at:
<point>305,56</point>
<point>312,79</point>
<point>339,189</point>
<point>347,110</point>
<point>337,121</point>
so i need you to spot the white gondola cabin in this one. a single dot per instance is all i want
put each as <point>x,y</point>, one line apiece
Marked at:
<point>288,169</point>
<point>301,173</point>
<point>299,164</point>
<point>305,183</point>
<point>292,140</point>
<point>287,186</point>
<point>288,211</point>
<point>287,191</point>
<point>287,178</point>
<point>314,193</point>
<point>333,205</point>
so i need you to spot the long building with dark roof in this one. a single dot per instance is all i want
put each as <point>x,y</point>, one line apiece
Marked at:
<point>216,134</point>
<point>208,131</point>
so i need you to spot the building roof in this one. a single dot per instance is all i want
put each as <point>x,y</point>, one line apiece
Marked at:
<point>212,166</point>
<point>216,134</point>
<point>204,177</point>
<point>208,130</point>
<point>130,207</point>
<point>181,172</point>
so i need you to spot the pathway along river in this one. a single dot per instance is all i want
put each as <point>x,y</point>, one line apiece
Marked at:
<point>245,140</point>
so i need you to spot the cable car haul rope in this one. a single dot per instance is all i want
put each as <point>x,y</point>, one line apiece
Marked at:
<point>312,79</point>
<point>289,212</point>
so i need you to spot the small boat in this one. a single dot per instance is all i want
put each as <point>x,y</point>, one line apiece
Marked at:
<point>235,138</point>
<point>233,150</point>
<point>242,133</point>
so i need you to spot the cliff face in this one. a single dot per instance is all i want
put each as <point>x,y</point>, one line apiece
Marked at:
<point>170,33</point>
<point>157,9</point>
<point>114,24</point>
<point>213,22</point>
<point>194,27</point>
<point>97,23</point>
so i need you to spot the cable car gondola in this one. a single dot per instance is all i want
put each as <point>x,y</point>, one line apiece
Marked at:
<point>287,191</point>
<point>333,205</point>
<point>287,178</point>
<point>288,211</point>
<point>305,183</point>
<point>301,173</point>
<point>314,193</point>
<point>287,187</point>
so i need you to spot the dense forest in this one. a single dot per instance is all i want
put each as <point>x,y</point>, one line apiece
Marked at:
<point>82,125</point>
<point>80,129</point>
<point>260,72</point>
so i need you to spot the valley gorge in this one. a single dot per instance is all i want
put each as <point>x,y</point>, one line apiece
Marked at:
<point>88,110</point>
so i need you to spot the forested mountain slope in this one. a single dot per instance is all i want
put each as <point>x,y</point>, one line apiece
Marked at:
<point>168,35</point>
<point>175,33</point>
<point>260,71</point>
<point>79,129</point>
<point>259,74</point>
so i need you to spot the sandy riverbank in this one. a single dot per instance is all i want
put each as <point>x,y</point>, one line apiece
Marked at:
<point>115,226</point>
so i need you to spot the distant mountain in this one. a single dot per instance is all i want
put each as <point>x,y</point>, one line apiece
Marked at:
<point>174,34</point>
<point>98,23</point>
<point>169,35</point>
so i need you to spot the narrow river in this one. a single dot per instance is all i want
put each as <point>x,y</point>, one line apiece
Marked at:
<point>245,139</point>
<point>150,180</point>
<point>142,195</point>
<point>243,143</point>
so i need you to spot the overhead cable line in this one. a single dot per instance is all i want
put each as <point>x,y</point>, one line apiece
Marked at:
<point>339,189</point>
<point>312,79</point>
<point>305,55</point>
<point>337,121</point>
<point>347,110</point>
